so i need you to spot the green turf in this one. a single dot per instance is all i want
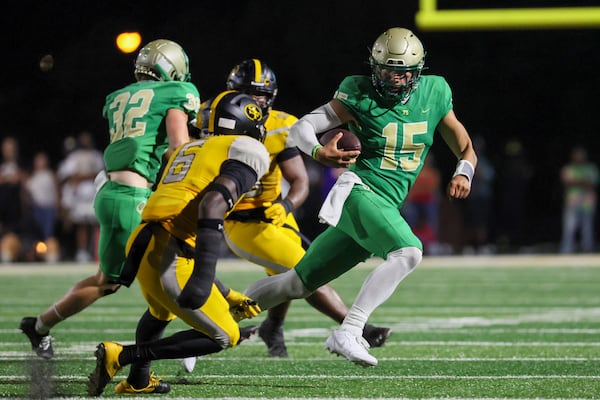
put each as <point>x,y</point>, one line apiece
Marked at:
<point>487,331</point>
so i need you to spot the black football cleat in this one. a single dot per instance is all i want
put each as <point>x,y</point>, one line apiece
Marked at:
<point>273,338</point>
<point>41,344</point>
<point>375,335</point>
<point>246,332</point>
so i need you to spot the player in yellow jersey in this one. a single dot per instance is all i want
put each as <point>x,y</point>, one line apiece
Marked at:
<point>147,121</point>
<point>173,253</point>
<point>262,228</point>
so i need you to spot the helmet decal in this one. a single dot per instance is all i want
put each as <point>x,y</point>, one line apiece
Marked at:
<point>253,112</point>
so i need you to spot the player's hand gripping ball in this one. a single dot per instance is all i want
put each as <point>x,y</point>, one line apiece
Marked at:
<point>348,142</point>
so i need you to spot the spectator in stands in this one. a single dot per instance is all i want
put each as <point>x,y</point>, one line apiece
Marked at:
<point>478,207</point>
<point>11,200</point>
<point>514,177</point>
<point>422,205</point>
<point>76,174</point>
<point>580,179</point>
<point>42,191</point>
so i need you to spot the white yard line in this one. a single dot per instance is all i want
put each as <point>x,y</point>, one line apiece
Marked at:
<point>233,264</point>
<point>80,378</point>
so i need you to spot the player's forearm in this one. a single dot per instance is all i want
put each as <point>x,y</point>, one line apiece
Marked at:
<point>304,132</point>
<point>297,194</point>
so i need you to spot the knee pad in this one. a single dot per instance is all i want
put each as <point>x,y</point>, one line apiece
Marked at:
<point>409,256</point>
<point>295,285</point>
<point>276,289</point>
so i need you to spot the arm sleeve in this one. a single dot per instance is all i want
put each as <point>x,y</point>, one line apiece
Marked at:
<point>243,176</point>
<point>197,289</point>
<point>304,132</point>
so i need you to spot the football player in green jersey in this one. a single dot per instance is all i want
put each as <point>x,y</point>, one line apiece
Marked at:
<point>274,242</point>
<point>394,112</point>
<point>147,121</point>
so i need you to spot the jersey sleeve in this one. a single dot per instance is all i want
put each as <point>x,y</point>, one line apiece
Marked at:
<point>250,152</point>
<point>288,121</point>
<point>185,96</point>
<point>347,92</point>
<point>442,93</point>
<point>351,91</point>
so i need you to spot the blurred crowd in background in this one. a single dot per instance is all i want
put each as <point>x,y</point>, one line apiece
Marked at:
<point>47,212</point>
<point>47,215</point>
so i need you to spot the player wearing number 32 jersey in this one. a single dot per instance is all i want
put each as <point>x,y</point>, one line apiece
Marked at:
<point>394,113</point>
<point>147,121</point>
<point>140,149</point>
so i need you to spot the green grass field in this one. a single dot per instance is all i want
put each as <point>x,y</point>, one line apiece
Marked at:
<point>463,328</point>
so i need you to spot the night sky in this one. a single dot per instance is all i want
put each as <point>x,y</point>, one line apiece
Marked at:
<point>539,87</point>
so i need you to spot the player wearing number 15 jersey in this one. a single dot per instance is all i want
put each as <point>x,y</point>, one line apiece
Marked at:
<point>262,227</point>
<point>147,121</point>
<point>271,241</point>
<point>394,113</point>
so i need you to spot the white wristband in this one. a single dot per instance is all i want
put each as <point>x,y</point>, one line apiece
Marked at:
<point>465,168</point>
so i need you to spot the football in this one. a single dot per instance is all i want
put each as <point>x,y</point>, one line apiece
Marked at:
<point>348,142</point>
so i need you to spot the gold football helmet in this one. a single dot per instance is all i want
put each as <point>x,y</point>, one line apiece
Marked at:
<point>162,60</point>
<point>396,50</point>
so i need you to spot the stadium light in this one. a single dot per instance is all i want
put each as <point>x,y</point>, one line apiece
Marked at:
<point>128,42</point>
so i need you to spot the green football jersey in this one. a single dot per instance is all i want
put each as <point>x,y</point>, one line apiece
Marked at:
<point>135,114</point>
<point>396,138</point>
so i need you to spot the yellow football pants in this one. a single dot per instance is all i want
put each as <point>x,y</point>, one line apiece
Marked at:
<point>162,275</point>
<point>275,248</point>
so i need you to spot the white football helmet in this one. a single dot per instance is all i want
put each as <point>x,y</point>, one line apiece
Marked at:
<point>397,50</point>
<point>162,60</point>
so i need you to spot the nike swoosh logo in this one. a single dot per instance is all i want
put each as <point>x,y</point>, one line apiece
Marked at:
<point>425,110</point>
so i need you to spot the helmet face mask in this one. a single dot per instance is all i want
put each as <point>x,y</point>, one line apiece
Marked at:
<point>162,60</point>
<point>255,78</point>
<point>236,113</point>
<point>397,60</point>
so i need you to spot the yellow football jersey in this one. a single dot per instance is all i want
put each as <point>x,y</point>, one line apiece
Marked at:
<point>268,189</point>
<point>189,171</point>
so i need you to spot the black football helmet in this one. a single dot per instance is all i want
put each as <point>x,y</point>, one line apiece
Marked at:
<point>254,77</point>
<point>236,113</point>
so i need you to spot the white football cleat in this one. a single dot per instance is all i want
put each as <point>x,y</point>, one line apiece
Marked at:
<point>354,348</point>
<point>188,363</point>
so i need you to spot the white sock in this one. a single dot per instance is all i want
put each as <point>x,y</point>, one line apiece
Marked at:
<point>40,328</point>
<point>355,321</point>
<point>380,285</point>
